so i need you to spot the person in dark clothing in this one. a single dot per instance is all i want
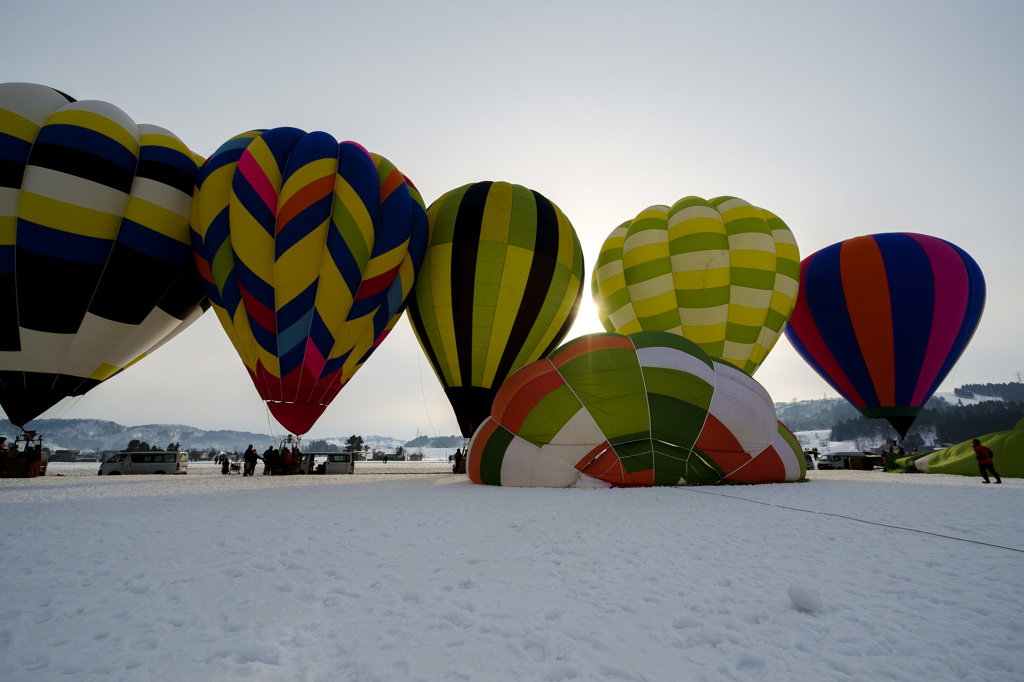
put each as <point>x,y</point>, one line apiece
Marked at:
<point>458,461</point>
<point>225,464</point>
<point>250,459</point>
<point>985,461</point>
<point>268,461</point>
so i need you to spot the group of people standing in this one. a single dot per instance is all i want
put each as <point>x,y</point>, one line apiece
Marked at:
<point>275,461</point>
<point>16,463</point>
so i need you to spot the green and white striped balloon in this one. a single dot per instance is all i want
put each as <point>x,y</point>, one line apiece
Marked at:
<point>720,272</point>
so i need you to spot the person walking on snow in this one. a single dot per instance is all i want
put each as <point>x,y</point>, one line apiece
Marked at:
<point>985,464</point>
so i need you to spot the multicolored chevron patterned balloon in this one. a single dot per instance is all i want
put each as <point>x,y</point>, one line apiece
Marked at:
<point>96,271</point>
<point>500,287</point>
<point>646,409</point>
<point>308,249</point>
<point>720,272</point>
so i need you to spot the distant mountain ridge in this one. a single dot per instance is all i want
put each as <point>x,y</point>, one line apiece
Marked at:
<point>99,435</point>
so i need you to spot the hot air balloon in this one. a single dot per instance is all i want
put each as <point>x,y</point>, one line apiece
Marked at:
<point>883,318</point>
<point>308,249</point>
<point>961,458</point>
<point>500,287</point>
<point>719,272</point>
<point>646,409</point>
<point>96,270</point>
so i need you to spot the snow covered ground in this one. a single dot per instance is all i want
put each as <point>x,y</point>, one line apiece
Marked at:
<point>407,572</point>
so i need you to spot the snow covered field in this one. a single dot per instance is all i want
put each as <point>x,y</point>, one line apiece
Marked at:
<point>425,576</point>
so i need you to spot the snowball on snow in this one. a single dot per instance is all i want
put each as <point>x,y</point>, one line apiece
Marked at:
<point>804,596</point>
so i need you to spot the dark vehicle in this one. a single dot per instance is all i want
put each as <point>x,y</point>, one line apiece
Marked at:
<point>833,460</point>
<point>864,461</point>
<point>857,461</point>
<point>66,456</point>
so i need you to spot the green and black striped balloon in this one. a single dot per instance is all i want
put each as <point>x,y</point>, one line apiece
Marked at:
<point>499,288</point>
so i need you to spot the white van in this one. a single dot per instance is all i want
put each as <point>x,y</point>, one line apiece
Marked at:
<point>152,462</point>
<point>333,462</point>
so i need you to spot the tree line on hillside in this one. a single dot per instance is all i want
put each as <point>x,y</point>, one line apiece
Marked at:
<point>321,446</point>
<point>352,444</point>
<point>194,454</point>
<point>950,423</point>
<point>137,445</point>
<point>355,443</point>
<point>436,442</point>
<point>1012,392</point>
<point>815,414</point>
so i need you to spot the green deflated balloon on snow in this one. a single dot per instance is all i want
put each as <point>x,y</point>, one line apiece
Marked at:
<point>1007,449</point>
<point>646,409</point>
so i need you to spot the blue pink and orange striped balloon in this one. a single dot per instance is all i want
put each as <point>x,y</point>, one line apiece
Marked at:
<point>308,249</point>
<point>883,318</point>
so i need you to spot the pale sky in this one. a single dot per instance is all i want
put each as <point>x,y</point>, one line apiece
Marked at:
<point>843,119</point>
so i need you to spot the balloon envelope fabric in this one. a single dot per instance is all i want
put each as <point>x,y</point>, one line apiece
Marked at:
<point>309,249</point>
<point>646,409</point>
<point>883,318</point>
<point>96,269</point>
<point>500,287</point>
<point>720,272</point>
<point>1007,447</point>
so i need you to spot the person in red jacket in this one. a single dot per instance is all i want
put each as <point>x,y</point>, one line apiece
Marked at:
<point>985,464</point>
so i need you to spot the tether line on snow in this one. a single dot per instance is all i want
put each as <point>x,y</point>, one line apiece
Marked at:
<point>853,518</point>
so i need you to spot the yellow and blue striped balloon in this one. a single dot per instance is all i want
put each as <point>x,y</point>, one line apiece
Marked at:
<point>309,249</point>
<point>96,268</point>
<point>720,272</point>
